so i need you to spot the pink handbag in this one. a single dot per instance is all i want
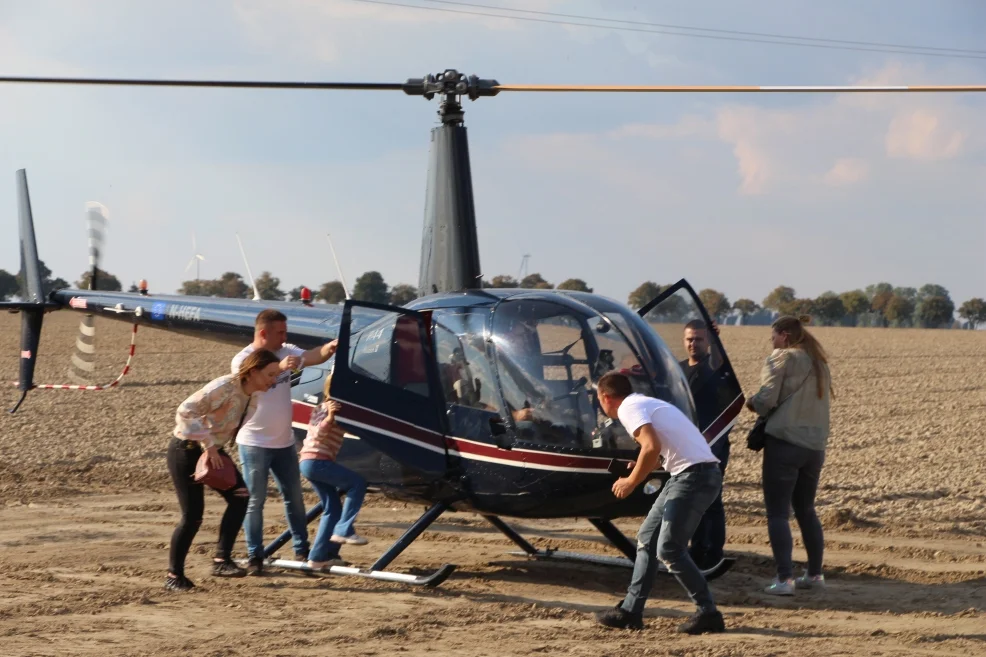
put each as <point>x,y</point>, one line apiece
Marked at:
<point>222,478</point>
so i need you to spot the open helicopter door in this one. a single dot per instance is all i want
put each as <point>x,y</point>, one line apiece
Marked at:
<point>386,379</point>
<point>675,314</point>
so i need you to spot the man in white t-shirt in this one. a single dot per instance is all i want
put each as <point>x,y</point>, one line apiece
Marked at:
<point>266,440</point>
<point>664,432</point>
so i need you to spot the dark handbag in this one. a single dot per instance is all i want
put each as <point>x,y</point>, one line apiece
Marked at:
<point>758,434</point>
<point>757,437</point>
<point>224,477</point>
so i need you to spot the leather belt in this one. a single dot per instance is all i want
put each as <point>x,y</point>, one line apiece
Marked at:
<point>698,467</point>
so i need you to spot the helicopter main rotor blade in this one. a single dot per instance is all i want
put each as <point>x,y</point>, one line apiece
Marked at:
<point>734,89</point>
<point>245,84</point>
<point>458,84</point>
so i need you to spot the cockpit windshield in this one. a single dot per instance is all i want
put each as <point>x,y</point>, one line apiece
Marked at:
<point>549,358</point>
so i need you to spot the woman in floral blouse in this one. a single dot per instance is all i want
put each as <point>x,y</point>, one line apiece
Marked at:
<point>208,420</point>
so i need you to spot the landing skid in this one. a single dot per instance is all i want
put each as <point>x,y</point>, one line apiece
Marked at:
<point>376,571</point>
<point>615,536</point>
<point>432,580</point>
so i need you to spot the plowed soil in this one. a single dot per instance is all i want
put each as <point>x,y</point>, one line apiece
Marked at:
<point>87,510</point>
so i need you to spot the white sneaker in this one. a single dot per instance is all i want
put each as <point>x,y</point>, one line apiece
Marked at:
<point>355,539</point>
<point>810,582</point>
<point>778,587</point>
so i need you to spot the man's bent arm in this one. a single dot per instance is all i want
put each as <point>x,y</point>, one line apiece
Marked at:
<point>319,355</point>
<point>650,453</point>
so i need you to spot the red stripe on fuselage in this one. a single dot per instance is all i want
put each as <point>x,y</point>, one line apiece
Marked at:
<point>724,419</point>
<point>467,448</point>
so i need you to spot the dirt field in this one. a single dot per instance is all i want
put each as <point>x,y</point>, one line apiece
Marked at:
<point>86,513</point>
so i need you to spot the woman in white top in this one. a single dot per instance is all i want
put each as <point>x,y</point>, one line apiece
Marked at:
<point>208,420</point>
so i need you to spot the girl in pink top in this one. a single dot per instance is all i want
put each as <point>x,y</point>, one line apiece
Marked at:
<point>329,479</point>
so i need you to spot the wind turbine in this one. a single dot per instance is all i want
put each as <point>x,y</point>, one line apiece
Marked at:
<point>196,259</point>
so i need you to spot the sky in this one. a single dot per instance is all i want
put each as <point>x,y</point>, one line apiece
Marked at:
<point>738,192</point>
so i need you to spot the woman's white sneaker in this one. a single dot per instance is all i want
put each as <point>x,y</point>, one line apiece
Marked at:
<point>778,587</point>
<point>355,539</point>
<point>810,581</point>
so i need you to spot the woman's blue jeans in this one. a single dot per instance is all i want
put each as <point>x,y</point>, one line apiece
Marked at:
<point>329,479</point>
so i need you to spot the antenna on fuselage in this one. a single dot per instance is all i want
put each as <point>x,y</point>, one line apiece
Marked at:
<point>256,294</point>
<point>342,279</point>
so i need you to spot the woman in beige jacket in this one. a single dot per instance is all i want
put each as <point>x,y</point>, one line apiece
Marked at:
<point>795,389</point>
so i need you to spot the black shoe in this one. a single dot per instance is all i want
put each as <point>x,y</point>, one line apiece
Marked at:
<point>620,619</point>
<point>703,621</point>
<point>180,583</point>
<point>227,568</point>
<point>301,556</point>
<point>255,566</point>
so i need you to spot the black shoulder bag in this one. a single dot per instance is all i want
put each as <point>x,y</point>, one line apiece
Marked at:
<point>758,434</point>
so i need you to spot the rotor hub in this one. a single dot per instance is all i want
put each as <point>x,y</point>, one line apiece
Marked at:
<point>450,83</point>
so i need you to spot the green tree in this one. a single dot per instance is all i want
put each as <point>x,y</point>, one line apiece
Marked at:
<point>899,310</point>
<point>48,284</point>
<point>133,289</point>
<point>535,282</point>
<point>644,293</point>
<point>973,311</point>
<point>331,292</point>
<point>231,286</point>
<point>798,307</point>
<point>8,285</point>
<point>829,308</point>
<point>371,287</point>
<point>104,281</point>
<point>935,312</point>
<point>715,302</point>
<point>268,287</point>
<point>574,284</point>
<point>779,298</point>
<point>198,288</point>
<point>402,293</point>
<point>936,315</point>
<point>909,293</point>
<point>503,281</point>
<point>746,307</point>
<point>879,288</point>
<point>856,303</point>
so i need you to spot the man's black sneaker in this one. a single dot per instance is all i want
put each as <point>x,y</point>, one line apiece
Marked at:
<point>301,556</point>
<point>620,619</point>
<point>180,583</point>
<point>703,621</point>
<point>227,568</point>
<point>255,566</point>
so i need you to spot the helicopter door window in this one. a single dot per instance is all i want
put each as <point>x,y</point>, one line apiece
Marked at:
<point>615,354</point>
<point>464,370</point>
<point>679,321</point>
<point>390,351</point>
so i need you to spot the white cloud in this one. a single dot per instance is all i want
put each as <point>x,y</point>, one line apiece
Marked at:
<point>847,171</point>
<point>923,135</point>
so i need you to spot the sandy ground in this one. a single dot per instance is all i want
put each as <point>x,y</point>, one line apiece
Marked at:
<point>86,512</point>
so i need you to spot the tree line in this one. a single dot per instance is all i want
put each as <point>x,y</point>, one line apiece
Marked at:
<point>880,304</point>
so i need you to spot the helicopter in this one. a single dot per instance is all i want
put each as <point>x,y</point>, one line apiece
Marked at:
<point>466,399</point>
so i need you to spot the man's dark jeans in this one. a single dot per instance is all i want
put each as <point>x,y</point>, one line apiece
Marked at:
<point>664,535</point>
<point>710,535</point>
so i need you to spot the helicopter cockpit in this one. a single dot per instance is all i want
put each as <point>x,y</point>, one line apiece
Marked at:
<point>528,366</point>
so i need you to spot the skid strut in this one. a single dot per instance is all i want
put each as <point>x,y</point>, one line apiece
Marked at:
<point>376,571</point>
<point>614,535</point>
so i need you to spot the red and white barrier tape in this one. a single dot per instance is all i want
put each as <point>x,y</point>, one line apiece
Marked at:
<point>107,386</point>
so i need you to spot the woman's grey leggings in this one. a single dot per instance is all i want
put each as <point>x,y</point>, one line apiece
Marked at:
<point>790,479</point>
